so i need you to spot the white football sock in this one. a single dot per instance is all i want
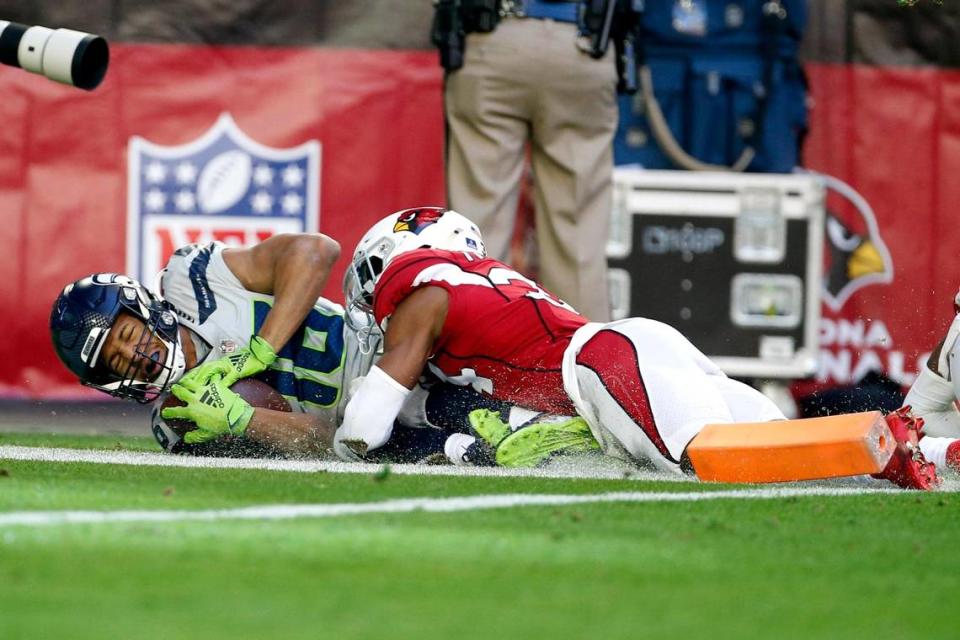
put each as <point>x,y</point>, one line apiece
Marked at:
<point>935,450</point>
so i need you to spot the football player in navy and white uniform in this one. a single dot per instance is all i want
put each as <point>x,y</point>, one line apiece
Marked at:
<point>219,314</point>
<point>245,312</point>
<point>643,389</point>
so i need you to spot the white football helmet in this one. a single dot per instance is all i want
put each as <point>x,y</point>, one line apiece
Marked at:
<point>398,233</point>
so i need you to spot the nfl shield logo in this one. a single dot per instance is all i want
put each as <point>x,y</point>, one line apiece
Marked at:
<point>222,186</point>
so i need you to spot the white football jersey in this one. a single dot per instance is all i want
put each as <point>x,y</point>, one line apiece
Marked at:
<point>312,370</point>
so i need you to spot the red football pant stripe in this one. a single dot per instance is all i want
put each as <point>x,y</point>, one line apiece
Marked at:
<point>612,356</point>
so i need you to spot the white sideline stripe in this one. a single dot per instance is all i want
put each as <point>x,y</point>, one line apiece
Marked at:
<point>576,467</point>
<point>430,505</point>
<point>591,467</point>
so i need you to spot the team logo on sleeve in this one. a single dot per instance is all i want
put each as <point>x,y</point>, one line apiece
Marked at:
<point>416,220</point>
<point>223,186</point>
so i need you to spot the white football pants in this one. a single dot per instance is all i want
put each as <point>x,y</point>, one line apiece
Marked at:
<point>646,391</point>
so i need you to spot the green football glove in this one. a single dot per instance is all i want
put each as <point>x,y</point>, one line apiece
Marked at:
<point>531,444</point>
<point>214,408</point>
<point>244,363</point>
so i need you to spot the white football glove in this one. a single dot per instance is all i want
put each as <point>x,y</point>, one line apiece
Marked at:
<point>352,388</point>
<point>414,410</point>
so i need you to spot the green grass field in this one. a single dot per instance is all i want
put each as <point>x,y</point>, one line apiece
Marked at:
<point>877,565</point>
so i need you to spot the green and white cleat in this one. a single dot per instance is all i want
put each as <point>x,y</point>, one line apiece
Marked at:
<point>488,425</point>
<point>534,442</point>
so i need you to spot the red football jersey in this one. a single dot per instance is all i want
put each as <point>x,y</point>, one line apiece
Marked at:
<point>503,334</point>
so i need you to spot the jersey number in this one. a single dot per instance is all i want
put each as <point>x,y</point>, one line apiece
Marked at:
<point>504,277</point>
<point>308,367</point>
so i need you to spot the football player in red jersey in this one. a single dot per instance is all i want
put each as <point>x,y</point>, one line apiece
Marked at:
<point>644,390</point>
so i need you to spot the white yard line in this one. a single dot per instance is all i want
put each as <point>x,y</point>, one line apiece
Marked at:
<point>591,467</point>
<point>431,505</point>
<point>574,467</point>
<point>581,467</point>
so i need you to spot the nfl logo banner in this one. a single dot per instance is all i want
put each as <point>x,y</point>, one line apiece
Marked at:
<point>222,186</point>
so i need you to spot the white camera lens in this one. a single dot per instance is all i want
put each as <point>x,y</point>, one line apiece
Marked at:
<point>63,55</point>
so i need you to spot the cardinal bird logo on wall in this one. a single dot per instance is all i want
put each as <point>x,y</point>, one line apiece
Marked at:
<point>855,255</point>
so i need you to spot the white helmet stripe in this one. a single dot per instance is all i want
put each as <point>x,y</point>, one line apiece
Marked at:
<point>93,345</point>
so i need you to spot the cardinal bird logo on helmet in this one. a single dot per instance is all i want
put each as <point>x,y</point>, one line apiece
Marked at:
<point>855,255</point>
<point>416,220</point>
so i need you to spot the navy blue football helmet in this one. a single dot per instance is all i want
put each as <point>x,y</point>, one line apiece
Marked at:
<point>82,317</point>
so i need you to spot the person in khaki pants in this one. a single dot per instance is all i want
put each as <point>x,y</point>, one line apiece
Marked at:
<point>527,81</point>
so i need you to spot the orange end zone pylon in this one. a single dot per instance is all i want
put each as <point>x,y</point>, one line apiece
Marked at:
<point>786,450</point>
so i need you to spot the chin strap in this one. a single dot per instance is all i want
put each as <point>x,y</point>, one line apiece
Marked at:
<point>368,340</point>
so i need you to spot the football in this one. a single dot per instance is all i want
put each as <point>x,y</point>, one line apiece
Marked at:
<point>258,394</point>
<point>223,181</point>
